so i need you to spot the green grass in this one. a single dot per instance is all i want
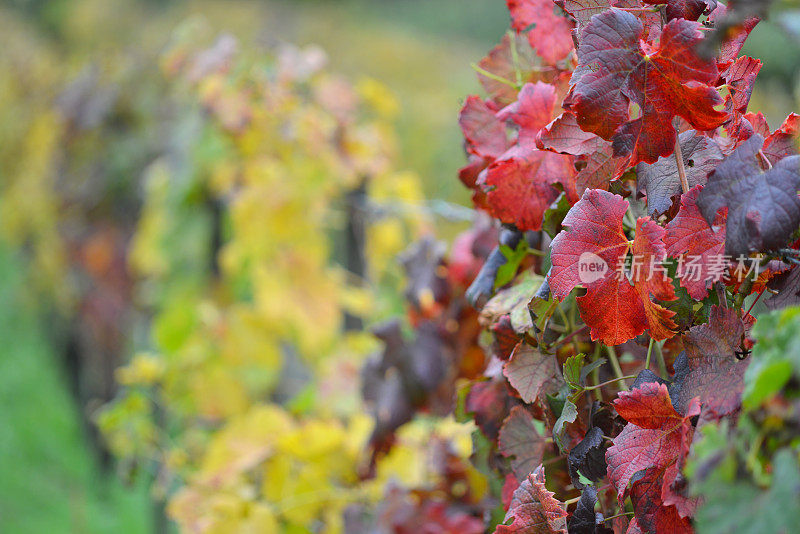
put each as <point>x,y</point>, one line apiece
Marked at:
<point>49,482</point>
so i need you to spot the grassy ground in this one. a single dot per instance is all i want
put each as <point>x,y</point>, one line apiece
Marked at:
<point>48,480</point>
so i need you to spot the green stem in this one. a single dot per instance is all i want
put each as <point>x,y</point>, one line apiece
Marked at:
<point>612,357</point>
<point>617,515</point>
<point>569,337</point>
<point>607,382</point>
<point>596,373</point>
<point>567,322</point>
<point>492,75</point>
<point>515,57</point>
<point>662,365</point>
<point>649,351</point>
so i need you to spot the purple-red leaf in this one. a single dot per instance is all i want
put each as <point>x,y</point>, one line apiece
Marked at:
<point>534,510</point>
<point>618,67</point>
<point>520,441</point>
<point>698,246</point>
<point>661,181</point>
<point>763,207</point>
<point>550,34</point>
<point>528,370</point>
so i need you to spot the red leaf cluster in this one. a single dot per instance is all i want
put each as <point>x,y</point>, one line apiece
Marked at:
<point>617,306</point>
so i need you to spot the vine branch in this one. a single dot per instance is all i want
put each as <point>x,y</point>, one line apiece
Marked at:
<point>681,168</point>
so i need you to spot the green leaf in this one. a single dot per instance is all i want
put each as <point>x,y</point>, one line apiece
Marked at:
<point>589,368</point>
<point>541,307</point>
<point>568,415</point>
<point>514,257</point>
<point>572,370</point>
<point>513,301</point>
<point>554,216</point>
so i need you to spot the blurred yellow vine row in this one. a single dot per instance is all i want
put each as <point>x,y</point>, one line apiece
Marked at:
<point>247,403</point>
<point>226,218</point>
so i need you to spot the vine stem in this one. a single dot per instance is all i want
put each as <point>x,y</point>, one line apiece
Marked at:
<point>765,162</point>
<point>681,168</point>
<point>612,356</point>
<point>607,382</point>
<point>662,365</point>
<point>596,373</point>
<point>493,76</point>
<point>569,337</point>
<point>616,516</point>
<point>649,351</point>
<point>571,501</point>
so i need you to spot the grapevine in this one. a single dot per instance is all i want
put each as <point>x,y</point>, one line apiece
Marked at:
<point>645,211</point>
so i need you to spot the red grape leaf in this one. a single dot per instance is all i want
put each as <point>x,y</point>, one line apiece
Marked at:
<point>490,402</point>
<point>674,491</point>
<point>584,10</point>
<point>647,406</point>
<point>528,370</point>
<point>617,309</point>
<point>759,123</point>
<point>520,441</point>
<point>469,177</point>
<point>783,142</point>
<point>661,180</point>
<point>788,287</point>
<point>739,78</point>
<point>500,61</point>
<point>484,133</point>
<point>551,34</point>
<point>510,485</point>
<point>689,236</point>
<point>594,225</point>
<point>721,337</point>
<point>635,448</point>
<point>685,9</point>
<point>652,514</point>
<point>601,167</point>
<point>534,510</point>
<point>763,207</point>
<point>520,188</point>
<point>731,30</point>
<point>532,111</point>
<point>565,136</point>
<point>520,184</point>
<point>505,338</point>
<point>616,67</point>
<point>709,369</point>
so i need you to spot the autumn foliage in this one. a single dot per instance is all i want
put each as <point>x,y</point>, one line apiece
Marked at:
<point>645,211</point>
<point>610,347</point>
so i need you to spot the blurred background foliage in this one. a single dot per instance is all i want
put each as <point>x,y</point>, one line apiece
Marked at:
<point>121,176</point>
